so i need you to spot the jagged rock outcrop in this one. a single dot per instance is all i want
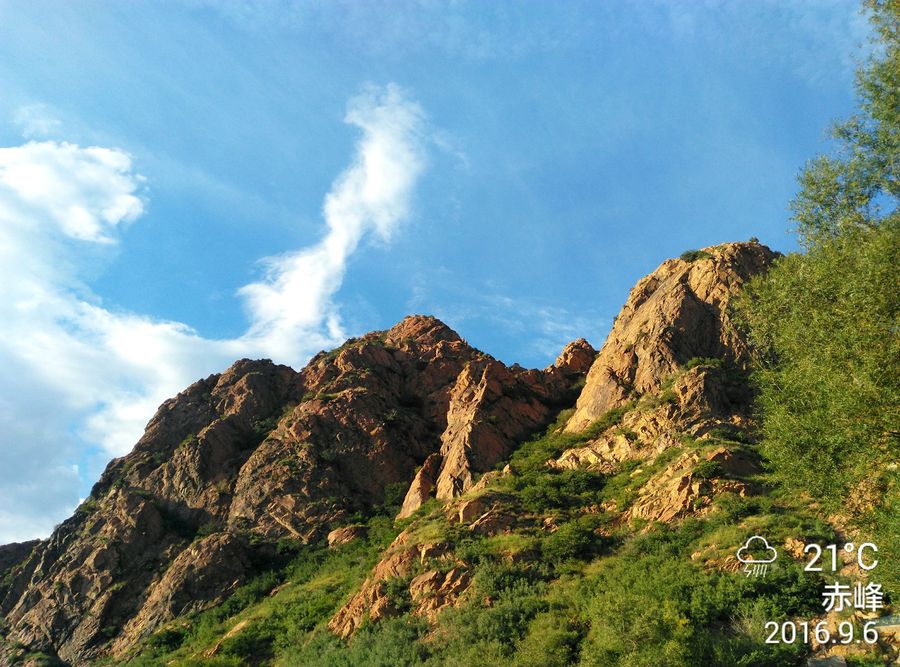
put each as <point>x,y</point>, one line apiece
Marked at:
<point>422,487</point>
<point>433,591</point>
<point>699,400</point>
<point>576,358</point>
<point>371,602</point>
<point>345,535</point>
<point>674,367</point>
<point>430,591</point>
<point>492,408</point>
<point>678,312</point>
<point>685,487</point>
<point>267,451</point>
<point>78,589</point>
<point>202,575</point>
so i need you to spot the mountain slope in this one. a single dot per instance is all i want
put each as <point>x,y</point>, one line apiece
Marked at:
<point>260,453</point>
<point>407,499</point>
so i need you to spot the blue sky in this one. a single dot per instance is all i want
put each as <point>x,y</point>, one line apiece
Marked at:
<point>512,168</point>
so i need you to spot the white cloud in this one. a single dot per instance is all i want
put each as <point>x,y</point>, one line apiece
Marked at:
<point>37,121</point>
<point>80,373</point>
<point>82,193</point>
<point>372,195</point>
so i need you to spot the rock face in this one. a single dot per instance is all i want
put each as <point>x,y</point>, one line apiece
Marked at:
<point>430,591</point>
<point>422,487</point>
<point>674,365</point>
<point>676,313</point>
<point>492,408</point>
<point>13,554</point>
<point>681,488</point>
<point>345,535</point>
<point>576,358</point>
<point>700,400</point>
<point>433,591</point>
<point>371,602</point>
<point>260,453</point>
<point>205,573</point>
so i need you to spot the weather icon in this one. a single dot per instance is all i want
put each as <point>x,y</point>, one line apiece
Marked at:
<point>755,564</point>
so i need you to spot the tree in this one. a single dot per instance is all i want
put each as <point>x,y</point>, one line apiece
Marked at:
<point>858,186</point>
<point>825,323</point>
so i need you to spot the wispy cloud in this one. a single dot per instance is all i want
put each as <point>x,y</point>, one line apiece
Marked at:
<point>469,31</point>
<point>817,40</point>
<point>37,121</point>
<point>535,329</point>
<point>81,374</point>
<point>371,196</point>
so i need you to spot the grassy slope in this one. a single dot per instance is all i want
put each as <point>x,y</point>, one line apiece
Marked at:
<point>594,592</point>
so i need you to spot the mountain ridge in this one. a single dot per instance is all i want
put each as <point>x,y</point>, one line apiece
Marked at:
<point>244,462</point>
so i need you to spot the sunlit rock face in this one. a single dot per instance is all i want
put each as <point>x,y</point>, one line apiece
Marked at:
<point>262,452</point>
<point>677,313</point>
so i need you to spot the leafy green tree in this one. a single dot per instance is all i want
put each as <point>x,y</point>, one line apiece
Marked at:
<point>825,324</point>
<point>857,186</point>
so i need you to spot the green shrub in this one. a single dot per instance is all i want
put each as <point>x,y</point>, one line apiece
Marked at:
<point>393,497</point>
<point>610,418</point>
<point>188,441</point>
<point>166,640</point>
<point>207,529</point>
<point>710,362</point>
<point>728,433</point>
<point>396,589</point>
<point>573,540</point>
<point>628,434</point>
<point>494,579</point>
<point>707,470</point>
<point>649,605</point>
<point>651,401</point>
<point>549,488</point>
<point>253,643</point>
<point>825,323</point>
<point>89,506</point>
<point>694,255</point>
<point>552,640</point>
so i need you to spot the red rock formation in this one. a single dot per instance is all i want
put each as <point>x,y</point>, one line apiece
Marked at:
<point>422,487</point>
<point>433,591</point>
<point>676,313</point>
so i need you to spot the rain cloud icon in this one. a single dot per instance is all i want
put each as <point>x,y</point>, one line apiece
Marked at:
<point>753,565</point>
<point>745,557</point>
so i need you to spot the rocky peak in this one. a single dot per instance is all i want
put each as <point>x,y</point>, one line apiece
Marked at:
<point>576,357</point>
<point>676,313</point>
<point>491,409</point>
<point>258,450</point>
<point>423,329</point>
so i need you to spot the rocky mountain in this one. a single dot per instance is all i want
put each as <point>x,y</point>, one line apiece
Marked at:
<point>247,468</point>
<point>260,453</point>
